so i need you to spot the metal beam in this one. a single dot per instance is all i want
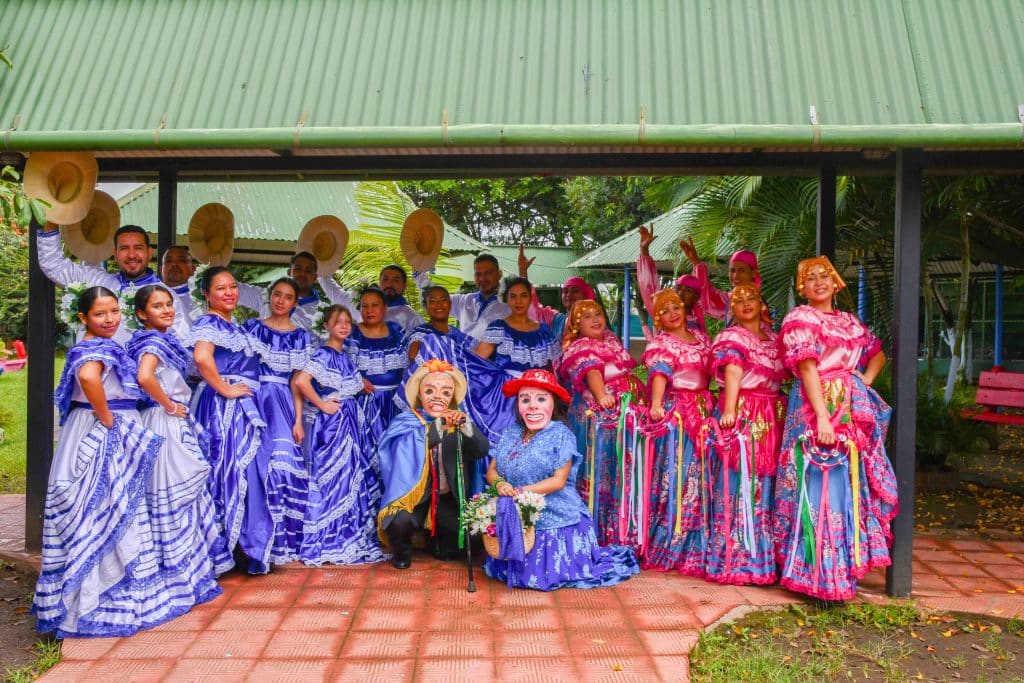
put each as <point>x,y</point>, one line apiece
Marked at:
<point>826,232</point>
<point>42,331</point>
<point>907,292</point>
<point>167,212</point>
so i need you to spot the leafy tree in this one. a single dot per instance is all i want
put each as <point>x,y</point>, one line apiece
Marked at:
<point>580,213</point>
<point>13,285</point>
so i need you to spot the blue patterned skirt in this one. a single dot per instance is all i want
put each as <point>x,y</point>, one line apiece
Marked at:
<point>239,465</point>
<point>101,570</point>
<point>191,546</point>
<point>566,557</point>
<point>340,524</point>
<point>287,478</point>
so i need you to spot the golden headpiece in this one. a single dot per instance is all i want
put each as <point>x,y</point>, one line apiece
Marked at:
<point>412,386</point>
<point>576,313</point>
<point>660,299</point>
<point>745,290</point>
<point>809,265</point>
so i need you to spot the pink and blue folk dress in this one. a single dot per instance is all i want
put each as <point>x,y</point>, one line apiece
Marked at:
<point>680,505</point>
<point>833,504</point>
<point>601,480</point>
<point>744,459</point>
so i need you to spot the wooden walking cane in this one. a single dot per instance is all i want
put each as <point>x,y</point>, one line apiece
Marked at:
<point>463,524</point>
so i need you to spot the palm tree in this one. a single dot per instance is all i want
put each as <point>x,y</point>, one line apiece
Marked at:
<point>383,208</point>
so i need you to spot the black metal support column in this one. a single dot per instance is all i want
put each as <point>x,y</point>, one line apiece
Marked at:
<point>907,284</point>
<point>42,331</point>
<point>827,212</point>
<point>167,212</point>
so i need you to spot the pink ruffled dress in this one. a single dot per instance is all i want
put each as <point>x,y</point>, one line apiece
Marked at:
<point>679,505</point>
<point>826,543</point>
<point>598,430</point>
<point>744,459</point>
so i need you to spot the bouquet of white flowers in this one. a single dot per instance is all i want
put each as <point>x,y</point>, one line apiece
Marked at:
<point>480,512</point>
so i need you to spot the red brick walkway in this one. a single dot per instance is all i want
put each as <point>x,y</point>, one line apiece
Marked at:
<point>376,623</point>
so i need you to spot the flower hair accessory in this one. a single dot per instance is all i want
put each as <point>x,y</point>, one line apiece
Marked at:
<point>319,323</point>
<point>438,365</point>
<point>69,304</point>
<point>195,287</point>
<point>127,301</point>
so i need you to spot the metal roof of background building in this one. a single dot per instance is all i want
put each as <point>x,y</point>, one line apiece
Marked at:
<point>175,75</point>
<point>268,216</point>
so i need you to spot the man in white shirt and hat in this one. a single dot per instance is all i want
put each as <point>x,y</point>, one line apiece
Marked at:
<point>474,311</point>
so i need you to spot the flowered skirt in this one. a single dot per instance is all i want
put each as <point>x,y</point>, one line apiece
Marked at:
<point>340,525</point>
<point>834,503</point>
<point>743,463</point>
<point>599,479</point>
<point>566,557</point>
<point>680,505</point>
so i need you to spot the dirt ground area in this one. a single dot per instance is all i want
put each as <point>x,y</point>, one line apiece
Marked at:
<point>18,635</point>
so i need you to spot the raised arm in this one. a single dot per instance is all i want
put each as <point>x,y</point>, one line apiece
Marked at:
<point>63,271</point>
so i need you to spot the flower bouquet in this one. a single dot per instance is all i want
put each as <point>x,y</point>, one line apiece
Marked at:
<point>480,513</point>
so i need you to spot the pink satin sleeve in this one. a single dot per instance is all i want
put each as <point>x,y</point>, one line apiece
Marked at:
<point>714,301</point>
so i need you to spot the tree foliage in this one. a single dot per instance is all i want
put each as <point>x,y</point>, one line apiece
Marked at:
<point>13,285</point>
<point>581,213</point>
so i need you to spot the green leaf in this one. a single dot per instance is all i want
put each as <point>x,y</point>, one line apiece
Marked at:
<point>39,210</point>
<point>11,173</point>
<point>4,58</point>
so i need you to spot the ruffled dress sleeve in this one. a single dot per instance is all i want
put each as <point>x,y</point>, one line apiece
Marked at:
<point>800,338</point>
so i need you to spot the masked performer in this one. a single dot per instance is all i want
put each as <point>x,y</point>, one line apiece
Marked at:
<point>423,486</point>
<point>539,455</point>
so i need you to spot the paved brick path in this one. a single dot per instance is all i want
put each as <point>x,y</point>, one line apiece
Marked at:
<point>375,623</point>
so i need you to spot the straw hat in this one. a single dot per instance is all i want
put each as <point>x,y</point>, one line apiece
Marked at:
<point>211,234</point>
<point>412,386</point>
<point>92,238</point>
<point>325,237</point>
<point>65,180</point>
<point>421,239</point>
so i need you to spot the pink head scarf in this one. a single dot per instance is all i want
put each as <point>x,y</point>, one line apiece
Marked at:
<point>579,283</point>
<point>750,258</point>
<point>690,281</point>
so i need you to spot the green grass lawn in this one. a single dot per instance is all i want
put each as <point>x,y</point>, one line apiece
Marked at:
<point>13,390</point>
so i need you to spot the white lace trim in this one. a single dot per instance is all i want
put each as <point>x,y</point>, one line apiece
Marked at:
<point>236,340</point>
<point>347,385</point>
<point>380,364</point>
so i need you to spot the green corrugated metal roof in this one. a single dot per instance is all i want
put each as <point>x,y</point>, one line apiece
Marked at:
<point>197,74</point>
<point>268,216</point>
<point>624,249</point>
<point>549,270</point>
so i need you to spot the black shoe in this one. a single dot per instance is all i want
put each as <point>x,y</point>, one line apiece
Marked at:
<point>401,561</point>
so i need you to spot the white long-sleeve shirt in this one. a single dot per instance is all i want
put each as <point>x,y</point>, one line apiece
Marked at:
<point>62,271</point>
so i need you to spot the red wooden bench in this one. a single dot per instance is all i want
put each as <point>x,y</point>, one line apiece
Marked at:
<point>999,389</point>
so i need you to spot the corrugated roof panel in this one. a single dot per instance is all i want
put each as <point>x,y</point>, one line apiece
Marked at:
<point>229,64</point>
<point>970,55</point>
<point>271,211</point>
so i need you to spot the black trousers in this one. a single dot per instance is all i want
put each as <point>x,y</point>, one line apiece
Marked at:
<point>444,540</point>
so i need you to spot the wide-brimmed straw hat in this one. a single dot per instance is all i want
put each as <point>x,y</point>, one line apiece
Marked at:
<point>421,239</point>
<point>325,237</point>
<point>65,180</point>
<point>211,234</point>
<point>535,378</point>
<point>412,387</point>
<point>92,238</point>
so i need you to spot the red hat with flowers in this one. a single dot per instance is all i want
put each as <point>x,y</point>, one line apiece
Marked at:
<point>535,379</point>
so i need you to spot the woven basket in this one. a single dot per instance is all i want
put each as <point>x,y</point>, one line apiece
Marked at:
<point>492,547</point>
